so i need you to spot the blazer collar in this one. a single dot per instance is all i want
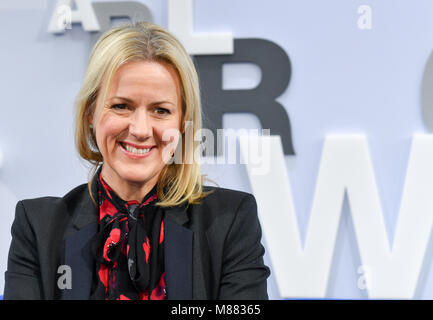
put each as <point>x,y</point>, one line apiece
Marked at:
<point>87,213</point>
<point>177,251</point>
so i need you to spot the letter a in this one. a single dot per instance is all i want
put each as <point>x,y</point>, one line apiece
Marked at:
<point>364,20</point>
<point>65,280</point>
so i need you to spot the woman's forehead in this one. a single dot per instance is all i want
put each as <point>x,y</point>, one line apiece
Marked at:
<point>137,79</point>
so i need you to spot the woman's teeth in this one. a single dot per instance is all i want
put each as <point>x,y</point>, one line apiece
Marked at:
<point>135,150</point>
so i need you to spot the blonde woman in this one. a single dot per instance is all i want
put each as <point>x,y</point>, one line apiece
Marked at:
<point>144,227</point>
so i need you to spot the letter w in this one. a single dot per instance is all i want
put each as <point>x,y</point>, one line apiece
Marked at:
<point>345,167</point>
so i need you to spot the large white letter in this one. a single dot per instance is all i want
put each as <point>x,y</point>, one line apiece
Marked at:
<point>346,166</point>
<point>180,22</point>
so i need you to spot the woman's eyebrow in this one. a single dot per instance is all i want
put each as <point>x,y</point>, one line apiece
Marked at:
<point>122,98</point>
<point>163,102</point>
<point>132,101</point>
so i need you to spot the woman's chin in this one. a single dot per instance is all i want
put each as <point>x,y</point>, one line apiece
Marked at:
<point>136,177</point>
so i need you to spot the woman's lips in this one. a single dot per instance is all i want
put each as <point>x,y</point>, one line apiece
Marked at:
<point>126,143</point>
<point>135,153</point>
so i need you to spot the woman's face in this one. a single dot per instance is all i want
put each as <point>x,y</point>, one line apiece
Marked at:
<point>143,101</point>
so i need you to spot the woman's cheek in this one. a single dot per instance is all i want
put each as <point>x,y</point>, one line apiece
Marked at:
<point>113,125</point>
<point>107,131</point>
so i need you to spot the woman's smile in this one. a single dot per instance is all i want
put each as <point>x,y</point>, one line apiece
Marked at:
<point>134,151</point>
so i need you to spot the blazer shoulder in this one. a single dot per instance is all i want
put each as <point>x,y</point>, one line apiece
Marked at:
<point>42,207</point>
<point>218,193</point>
<point>226,200</point>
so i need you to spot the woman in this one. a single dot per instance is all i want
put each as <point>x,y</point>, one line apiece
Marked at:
<point>144,227</point>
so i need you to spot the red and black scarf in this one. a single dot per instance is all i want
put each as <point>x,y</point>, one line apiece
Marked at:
<point>129,248</point>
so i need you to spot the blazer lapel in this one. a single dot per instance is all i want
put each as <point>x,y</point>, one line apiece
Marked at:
<point>178,255</point>
<point>78,250</point>
<point>78,256</point>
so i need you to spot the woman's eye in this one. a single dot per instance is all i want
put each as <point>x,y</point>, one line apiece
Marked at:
<point>119,106</point>
<point>162,111</point>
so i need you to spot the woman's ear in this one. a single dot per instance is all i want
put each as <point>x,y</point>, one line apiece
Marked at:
<point>90,121</point>
<point>182,125</point>
<point>90,113</point>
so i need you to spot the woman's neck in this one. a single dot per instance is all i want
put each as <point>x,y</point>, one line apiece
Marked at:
<point>128,190</point>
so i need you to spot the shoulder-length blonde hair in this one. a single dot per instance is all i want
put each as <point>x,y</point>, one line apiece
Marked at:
<point>179,182</point>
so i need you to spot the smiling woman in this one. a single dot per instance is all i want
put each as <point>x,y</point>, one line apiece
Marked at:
<point>133,70</point>
<point>143,227</point>
<point>143,102</point>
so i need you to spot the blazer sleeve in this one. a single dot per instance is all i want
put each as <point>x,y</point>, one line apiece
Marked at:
<point>22,278</point>
<point>244,273</point>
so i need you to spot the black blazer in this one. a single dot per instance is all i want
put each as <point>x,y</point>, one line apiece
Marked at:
<point>212,250</point>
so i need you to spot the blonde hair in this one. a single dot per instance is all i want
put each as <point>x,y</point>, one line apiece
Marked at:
<point>178,182</point>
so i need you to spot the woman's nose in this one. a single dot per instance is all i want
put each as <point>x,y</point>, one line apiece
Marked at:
<point>140,125</point>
